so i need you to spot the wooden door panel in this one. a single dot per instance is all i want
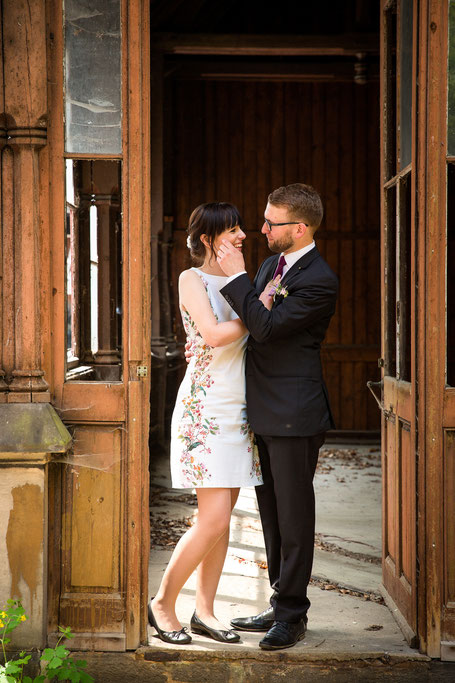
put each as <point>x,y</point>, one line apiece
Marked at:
<point>92,599</point>
<point>390,498</point>
<point>93,401</point>
<point>93,522</point>
<point>399,499</point>
<point>448,621</point>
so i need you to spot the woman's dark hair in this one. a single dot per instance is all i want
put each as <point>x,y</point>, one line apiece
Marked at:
<point>210,219</point>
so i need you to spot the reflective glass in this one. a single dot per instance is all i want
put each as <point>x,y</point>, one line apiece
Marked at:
<point>93,77</point>
<point>405,82</point>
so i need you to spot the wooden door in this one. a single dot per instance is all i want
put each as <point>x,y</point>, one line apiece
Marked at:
<point>237,139</point>
<point>398,257</point>
<point>100,237</point>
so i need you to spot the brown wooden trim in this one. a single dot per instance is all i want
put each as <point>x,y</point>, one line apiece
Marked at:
<point>240,45</point>
<point>434,358</point>
<point>80,155</point>
<point>420,321</point>
<point>137,298</point>
<point>278,71</point>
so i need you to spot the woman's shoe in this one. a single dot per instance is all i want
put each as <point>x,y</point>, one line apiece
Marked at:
<point>197,626</point>
<point>175,637</point>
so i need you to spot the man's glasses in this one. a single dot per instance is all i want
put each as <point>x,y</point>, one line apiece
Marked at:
<point>271,225</point>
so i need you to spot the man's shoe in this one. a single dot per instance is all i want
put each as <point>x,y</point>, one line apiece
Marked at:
<point>261,622</point>
<point>283,634</point>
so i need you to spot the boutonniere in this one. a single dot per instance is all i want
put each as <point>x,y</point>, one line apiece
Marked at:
<point>279,290</point>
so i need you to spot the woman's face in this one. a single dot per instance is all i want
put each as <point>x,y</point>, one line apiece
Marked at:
<point>233,235</point>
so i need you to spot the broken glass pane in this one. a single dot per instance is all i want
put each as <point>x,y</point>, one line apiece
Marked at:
<point>93,77</point>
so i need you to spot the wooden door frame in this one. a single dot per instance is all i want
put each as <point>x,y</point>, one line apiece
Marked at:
<point>399,396</point>
<point>432,333</point>
<point>133,393</point>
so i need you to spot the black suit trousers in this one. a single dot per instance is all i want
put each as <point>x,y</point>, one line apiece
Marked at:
<point>286,506</point>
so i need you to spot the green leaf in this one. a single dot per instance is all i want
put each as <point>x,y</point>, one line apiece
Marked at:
<point>39,679</point>
<point>27,679</point>
<point>61,651</point>
<point>66,630</point>
<point>86,678</point>
<point>55,663</point>
<point>47,654</point>
<point>12,668</point>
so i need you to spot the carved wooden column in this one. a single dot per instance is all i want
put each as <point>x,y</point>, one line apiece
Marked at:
<point>25,89</point>
<point>3,385</point>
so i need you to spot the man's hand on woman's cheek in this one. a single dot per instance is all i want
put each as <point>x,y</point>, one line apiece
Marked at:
<point>230,258</point>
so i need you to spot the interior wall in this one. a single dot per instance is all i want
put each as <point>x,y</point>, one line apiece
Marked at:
<point>236,141</point>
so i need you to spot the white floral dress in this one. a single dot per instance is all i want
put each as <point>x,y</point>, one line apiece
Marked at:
<point>211,441</point>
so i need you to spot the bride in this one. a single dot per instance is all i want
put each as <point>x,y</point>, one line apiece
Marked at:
<point>212,446</point>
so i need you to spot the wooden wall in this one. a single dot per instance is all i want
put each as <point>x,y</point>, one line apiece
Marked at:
<point>236,141</point>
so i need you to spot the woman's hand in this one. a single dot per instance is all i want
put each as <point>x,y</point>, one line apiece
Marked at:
<point>267,295</point>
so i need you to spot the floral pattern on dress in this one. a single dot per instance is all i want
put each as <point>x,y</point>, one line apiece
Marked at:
<point>245,430</point>
<point>194,428</point>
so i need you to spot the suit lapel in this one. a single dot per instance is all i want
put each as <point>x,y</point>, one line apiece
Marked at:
<point>301,264</point>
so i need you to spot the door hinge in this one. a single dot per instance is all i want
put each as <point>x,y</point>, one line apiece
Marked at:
<point>380,362</point>
<point>142,371</point>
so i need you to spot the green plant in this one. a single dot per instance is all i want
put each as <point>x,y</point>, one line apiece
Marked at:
<point>55,662</point>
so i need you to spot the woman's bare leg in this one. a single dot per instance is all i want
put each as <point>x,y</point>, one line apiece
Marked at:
<point>212,523</point>
<point>208,576</point>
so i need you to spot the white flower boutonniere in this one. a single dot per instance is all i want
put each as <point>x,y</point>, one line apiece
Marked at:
<point>279,290</point>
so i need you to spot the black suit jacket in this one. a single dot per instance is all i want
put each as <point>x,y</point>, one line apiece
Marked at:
<point>285,391</point>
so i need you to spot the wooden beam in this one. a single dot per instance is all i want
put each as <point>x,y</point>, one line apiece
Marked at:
<point>269,71</point>
<point>267,45</point>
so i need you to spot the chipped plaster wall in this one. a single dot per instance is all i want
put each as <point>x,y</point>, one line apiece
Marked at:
<point>23,548</point>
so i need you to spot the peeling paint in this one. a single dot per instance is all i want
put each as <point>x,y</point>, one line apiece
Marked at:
<point>24,539</point>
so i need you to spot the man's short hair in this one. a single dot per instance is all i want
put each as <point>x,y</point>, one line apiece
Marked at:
<point>302,202</point>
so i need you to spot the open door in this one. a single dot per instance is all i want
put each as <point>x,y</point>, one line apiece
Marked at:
<point>398,257</point>
<point>100,236</point>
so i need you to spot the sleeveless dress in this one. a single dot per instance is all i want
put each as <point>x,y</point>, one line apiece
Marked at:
<point>211,441</point>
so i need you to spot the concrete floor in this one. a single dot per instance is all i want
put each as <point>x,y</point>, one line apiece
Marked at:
<point>345,620</point>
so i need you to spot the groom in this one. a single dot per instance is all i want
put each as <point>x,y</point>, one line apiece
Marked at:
<point>287,402</point>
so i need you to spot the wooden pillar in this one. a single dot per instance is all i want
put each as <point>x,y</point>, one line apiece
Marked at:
<point>25,105</point>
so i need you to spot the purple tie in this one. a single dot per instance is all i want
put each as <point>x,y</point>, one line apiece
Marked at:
<point>280,266</point>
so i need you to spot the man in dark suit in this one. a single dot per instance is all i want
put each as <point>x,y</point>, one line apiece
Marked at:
<point>287,401</point>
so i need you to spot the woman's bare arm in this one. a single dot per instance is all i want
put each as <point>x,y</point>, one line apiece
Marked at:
<point>194,299</point>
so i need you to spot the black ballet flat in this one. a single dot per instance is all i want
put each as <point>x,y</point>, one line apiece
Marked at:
<point>174,637</point>
<point>197,626</point>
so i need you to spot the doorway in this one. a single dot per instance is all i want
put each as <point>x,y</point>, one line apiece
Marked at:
<point>233,130</point>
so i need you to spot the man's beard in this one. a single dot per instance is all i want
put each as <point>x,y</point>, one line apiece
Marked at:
<point>280,245</point>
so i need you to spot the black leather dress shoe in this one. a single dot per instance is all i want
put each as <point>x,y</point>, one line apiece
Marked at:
<point>261,622</point>
<point>175,637</point>
<point>283,634</point>
<point>197,626</point>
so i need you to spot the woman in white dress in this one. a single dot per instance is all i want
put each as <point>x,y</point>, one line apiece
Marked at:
<point>212,447</point>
